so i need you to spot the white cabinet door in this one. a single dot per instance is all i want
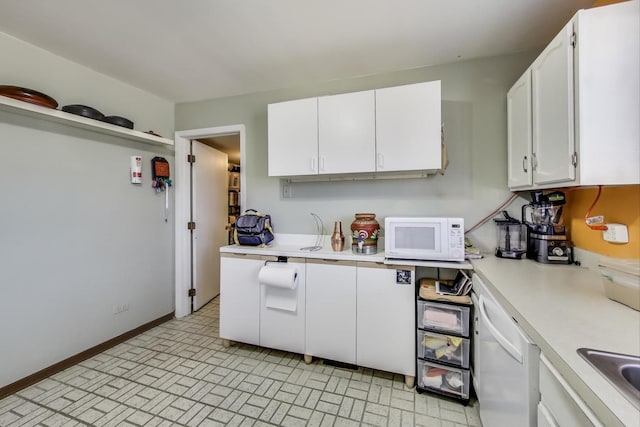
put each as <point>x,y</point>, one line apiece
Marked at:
<point>408,127</point>
<point>519,132</point>
<point>331,310</point>
<point>282,313</point>
<point>386,317</point>
<point>553,116</point>
<point>545,419</point>
<point>562,403</point>
<point>608,78</point>
<point>293,137</point>
<point>240,298</point>
<point>346,129</point>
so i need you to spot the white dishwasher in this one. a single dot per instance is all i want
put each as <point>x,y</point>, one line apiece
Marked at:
<point>506,365</point>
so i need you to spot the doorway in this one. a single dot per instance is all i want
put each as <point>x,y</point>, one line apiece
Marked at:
<point>185,264</point>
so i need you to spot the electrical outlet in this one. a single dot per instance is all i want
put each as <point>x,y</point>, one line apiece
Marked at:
<point>616,233</point>
<point>120,308</point>
<point>287,191</point>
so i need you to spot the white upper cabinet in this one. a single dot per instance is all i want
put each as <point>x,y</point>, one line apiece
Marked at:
<point>293,137</point>
<point>346,129</point>
<point>519,132</point>
<point>582,119</point>
<point>552,111</point>
<point>608,100</point>
<point>385,130</point>
<point>408,123</point>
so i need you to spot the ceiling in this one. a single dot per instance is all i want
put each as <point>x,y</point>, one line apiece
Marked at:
<point>193,50</point>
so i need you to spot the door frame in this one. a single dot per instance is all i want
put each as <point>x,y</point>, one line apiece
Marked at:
<point>182,186</point>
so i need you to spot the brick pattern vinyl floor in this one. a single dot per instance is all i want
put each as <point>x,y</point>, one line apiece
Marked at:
<point>179,374</point>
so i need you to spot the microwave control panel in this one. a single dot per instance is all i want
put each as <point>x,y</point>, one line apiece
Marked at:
<point>456,238</point>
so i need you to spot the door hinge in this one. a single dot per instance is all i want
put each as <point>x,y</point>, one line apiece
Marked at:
<point>191,225</point>
<point>573,40</point>
<point>191,158</point>
<point>192,292</point>
<point>574,159</point>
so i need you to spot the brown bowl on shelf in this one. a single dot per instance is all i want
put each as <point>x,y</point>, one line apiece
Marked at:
<point>28,95</point>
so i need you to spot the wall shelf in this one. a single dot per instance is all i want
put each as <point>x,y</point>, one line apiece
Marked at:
<point>57,116</point>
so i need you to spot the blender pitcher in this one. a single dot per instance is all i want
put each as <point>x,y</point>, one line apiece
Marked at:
<point>511,237</point>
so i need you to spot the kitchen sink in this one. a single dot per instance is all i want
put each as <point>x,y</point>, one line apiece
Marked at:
<point>623,371</point>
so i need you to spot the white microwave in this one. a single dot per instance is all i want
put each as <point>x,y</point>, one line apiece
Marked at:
<point>425,239</point>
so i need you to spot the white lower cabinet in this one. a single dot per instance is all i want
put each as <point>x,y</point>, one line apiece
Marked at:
<point>559,404</point>
<point>356,313</point>
<point>385,317</point>
<point>240,297</point>
<point>282,313</point>
<point>331,310</point>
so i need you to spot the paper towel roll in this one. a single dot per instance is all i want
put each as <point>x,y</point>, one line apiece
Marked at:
<point>280,281</point>
<point>279,275</point>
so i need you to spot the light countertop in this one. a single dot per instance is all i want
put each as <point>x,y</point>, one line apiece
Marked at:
<point>290,245</point>
<point>563,308</point>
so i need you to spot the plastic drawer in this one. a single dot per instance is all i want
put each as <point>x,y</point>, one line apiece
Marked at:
<point>449,381</point>
<point>444,348</point>
<point>448,318</point>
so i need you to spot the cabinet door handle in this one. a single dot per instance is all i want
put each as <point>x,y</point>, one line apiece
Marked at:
<point>534,162</point>
<point>313,164</point>
<point>322,158</point>
<point>524,164</point>
<point>380,160</point>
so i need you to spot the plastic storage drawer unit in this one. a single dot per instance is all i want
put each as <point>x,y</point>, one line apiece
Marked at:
<point>444,379</point>
<point>441,348</point>
<point>445,318</point>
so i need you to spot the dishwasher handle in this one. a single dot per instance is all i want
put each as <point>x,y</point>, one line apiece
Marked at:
<point>504,342</point>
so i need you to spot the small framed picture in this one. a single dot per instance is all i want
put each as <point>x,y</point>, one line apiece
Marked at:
<point>403,277</point>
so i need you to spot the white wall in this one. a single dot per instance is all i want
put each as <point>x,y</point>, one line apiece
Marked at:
<point>76,237</point>
<point>474,116</point>
<point>26,65</point>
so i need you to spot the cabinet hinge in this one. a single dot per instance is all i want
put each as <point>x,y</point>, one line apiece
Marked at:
<point>192,292</point>
<point>191,158</point>
<point>574,159</point>
<point>573,40</point>
<point>191,225</point>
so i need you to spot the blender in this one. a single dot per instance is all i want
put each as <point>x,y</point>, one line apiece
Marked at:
<point>511,237</point>
<point>547,240</point>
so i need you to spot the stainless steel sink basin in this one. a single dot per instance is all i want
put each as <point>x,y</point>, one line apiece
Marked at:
<point>623,371</point>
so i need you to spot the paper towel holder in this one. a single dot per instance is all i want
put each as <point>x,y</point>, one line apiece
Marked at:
<point>280,259</point>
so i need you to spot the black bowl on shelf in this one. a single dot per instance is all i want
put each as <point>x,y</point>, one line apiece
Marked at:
<point>84,111</point>
<point>119,121</point>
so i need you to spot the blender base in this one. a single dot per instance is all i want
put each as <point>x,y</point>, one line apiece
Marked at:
<point>509,254</point>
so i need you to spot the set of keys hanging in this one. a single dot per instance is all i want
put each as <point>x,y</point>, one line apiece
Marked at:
<point>161,180</point>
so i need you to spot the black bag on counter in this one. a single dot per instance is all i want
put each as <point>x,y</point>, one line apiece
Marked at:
<point>253,228</point>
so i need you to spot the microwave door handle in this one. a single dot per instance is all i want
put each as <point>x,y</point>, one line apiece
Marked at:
<point>504,342</point>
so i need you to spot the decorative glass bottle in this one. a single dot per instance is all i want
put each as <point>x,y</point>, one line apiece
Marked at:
<point>337,238</point>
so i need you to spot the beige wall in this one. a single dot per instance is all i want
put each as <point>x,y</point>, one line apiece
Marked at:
<point>474,116</point>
